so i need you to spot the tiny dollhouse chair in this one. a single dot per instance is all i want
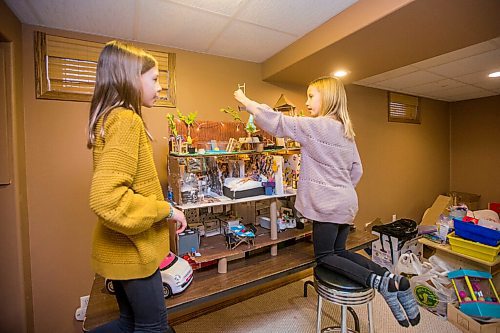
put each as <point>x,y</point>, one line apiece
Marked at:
<point>340,290</point>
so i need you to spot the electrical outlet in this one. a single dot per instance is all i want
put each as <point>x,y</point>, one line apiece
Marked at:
<point>84,301</point>
<point>82,310</point>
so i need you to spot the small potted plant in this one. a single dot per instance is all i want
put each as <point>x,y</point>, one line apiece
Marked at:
<point>172,140</point>
<point>189,121</point>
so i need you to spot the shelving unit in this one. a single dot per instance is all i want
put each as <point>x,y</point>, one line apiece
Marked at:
<point>214,247</point>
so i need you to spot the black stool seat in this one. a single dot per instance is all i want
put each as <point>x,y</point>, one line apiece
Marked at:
<point>337,281</point>
<point>340,290</point>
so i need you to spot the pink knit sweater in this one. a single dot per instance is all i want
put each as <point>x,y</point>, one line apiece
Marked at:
<point>330,164</point>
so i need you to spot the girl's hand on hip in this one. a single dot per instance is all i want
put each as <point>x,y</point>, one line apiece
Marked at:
<point>181,220</point>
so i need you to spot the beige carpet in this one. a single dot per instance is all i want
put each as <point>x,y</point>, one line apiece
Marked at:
<point>286,310</point>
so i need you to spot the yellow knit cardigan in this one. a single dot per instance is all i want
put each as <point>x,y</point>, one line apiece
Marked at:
<point>131,236</point>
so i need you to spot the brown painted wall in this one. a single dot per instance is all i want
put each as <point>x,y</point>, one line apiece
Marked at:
<point>475,148</point>
<point>15,286</point>
<point>406,166</point>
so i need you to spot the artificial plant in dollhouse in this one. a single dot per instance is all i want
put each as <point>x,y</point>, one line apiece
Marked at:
<point>250,127</point>
<point>189,121</point>
<point>174,139</point>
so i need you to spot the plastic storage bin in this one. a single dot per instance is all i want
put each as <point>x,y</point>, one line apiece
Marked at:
<point>476,233</point>
<point>473,249</point>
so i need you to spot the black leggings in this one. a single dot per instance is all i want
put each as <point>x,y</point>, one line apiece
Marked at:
<point>329,241</point>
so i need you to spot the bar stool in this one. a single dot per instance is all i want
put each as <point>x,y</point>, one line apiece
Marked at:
<point>340,290</point>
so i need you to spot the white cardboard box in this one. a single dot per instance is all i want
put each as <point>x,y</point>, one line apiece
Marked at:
<point>387,250</point>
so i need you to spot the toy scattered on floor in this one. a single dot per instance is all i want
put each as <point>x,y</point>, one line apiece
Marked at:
<point>476,293</point>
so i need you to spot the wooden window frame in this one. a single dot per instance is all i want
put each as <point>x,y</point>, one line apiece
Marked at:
<point>403,108</point>
<point>44,90</point>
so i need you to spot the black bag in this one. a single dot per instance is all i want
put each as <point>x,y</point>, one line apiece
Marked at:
<point>402,229</point>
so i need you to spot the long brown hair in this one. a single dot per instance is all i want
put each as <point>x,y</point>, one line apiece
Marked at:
<point>118,83</point>
<point>334,102</point>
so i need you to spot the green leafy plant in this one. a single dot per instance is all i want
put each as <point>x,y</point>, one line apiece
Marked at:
<point>189,121</point>
<point>171,124</point>
<point>232,112</point>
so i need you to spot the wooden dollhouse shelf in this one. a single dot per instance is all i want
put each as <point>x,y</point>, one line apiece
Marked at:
<point>214,248</point>
<point>283,151</point>
<point>223,200</point>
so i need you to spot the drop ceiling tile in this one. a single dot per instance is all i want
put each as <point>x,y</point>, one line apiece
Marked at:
<point>296,17</point>
<point>489,84</point>
<point>178,26</point>
<point>242,40</point>
<point>481,80</point>
<point>465,90</point>
<point>222,7</point>
<point>411,79</point>
<point>472,64</point>
<point>467,52</point>
<point>388,75</point>
<point>434,87</point>
<point>24,12</point>
<point>474,77</point>
<point>95,17</point>
<point>474,95</point>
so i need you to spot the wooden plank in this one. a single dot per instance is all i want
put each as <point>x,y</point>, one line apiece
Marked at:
<point>214,247</point>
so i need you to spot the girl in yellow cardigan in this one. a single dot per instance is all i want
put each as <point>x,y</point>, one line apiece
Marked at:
<point>132,233</point>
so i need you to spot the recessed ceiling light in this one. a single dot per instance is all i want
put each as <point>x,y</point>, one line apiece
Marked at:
<point>494,74</point>
<point>340,73</point>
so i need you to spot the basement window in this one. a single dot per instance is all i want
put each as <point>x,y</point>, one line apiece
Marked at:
<point>403,108</point>
<point>65,69</point>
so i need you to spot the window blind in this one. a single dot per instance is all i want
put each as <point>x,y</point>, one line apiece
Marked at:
<point>66,68</point>
<point>403,108</point>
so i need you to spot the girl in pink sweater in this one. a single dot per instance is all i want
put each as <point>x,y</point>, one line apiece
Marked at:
<point>330,170</point>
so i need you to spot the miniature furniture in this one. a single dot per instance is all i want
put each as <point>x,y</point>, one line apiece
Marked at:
<point>340,290</point>
<point>241,235</point>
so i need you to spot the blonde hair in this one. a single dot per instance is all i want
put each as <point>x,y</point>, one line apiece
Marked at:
<point>334,102</point>
<point>118,83</point>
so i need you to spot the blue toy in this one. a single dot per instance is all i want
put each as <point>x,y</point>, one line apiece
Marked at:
<point>476,293</point>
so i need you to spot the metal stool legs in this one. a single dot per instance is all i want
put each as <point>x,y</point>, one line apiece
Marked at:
<point>318,314</point>
<point>343,315</point>
<point>370,316</point>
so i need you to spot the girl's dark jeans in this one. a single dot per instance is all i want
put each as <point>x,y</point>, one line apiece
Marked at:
<point>329,241</point>
<point>142,307</point>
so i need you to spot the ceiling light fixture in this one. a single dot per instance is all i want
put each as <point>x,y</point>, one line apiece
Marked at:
<point>494,74</point>
<point>340,73</point>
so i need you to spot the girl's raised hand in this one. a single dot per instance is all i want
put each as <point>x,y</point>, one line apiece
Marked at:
<point>181,219</point>
<point>240,97</point>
